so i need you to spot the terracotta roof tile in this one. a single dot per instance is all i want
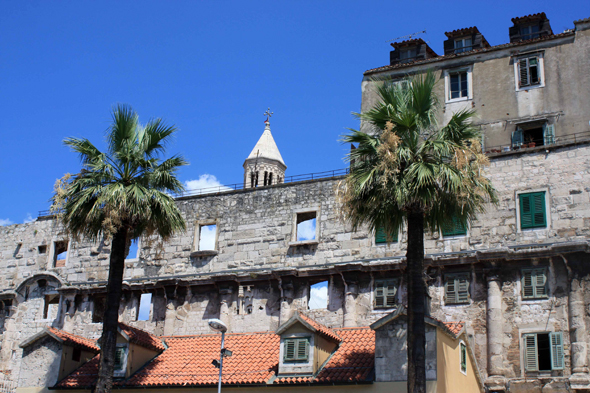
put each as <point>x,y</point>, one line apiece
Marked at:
<point>455,327</point>
<point>142,338</point>
<point>255,359</point>
<point>75,341</point>
<point>323,330</point>
<point>530,17</point>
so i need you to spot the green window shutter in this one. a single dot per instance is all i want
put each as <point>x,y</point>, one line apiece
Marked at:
<point>379,294</point>
<point>540,283</point>
<point>450,289</point>
<point>381,237</point>
<point>524,72</point>
<point>531,362</point>
<point>385,291</point>
<point>454,227</point>
<point>463,358</point>
<point>462,285</point>
<point>528,289</point>
<point>457,288</point>
<point>532,210</point>
<point>548,134</point>
<point>302,349</point>
<point>391,290</point>
<point>556,351</point>
<point>289,350</point>
<point>517,137</point>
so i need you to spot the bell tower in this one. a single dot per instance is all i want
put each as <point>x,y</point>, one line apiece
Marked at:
<point>264,166</point>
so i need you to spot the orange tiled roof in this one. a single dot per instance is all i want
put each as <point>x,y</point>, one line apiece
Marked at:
<point>455,327</point>
<point>75,341</point>
<point>142,338</point>
<point>255,359</point>
<point>321,329</point>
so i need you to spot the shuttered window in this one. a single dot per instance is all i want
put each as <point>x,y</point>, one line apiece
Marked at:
<point>381,237</point>
<point>534,283</point>
<point>463,358</point>
<point>454,227</point>
<point>120,360</point>
<point>528,68</point>
<point>532,210</point>
<point>457,288</point>
<point>543,351</point>
<point>385,291</point>
<point>296,350</point>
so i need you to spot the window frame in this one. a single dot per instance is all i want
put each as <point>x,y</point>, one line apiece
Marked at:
<point>534,284</point>
<point>454,232</point>
<point>463,357</point>
<point>447,77</point>
<point>456,277</point>
<point>296,212</point>
<point>529,33</point>
<point>380,238</point>
<point>385,304</point>
<point>540,71</point>
<point>297,341</point>
<point>53,254</point>
<point>463,47</point>
<point>122,371</point>
<point>197,238</point>
<point>529,345</point>
<point>519,213</point>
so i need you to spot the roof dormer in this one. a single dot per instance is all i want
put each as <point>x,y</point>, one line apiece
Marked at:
<point>305,346</point>
<point>464,40</point>
<point>530,27</point>
<point>409,51</point>
<point>135,348</point>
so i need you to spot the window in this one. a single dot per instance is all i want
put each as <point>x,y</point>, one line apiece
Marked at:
<point>458,85</point>
<point>42,249</point>
<point>306,226</point>
<point>463,45</point>
<point>385,291</point>
<point>529,71</point>
<point>76,354</point>
<point>529,32</point>
<point>143,310</point>
<point>454,227</point>
<point>51,306</point>
<point>120,360</point>
<point>457,288</point>
<point>543,351</point>
<point>318,296</point>
<point>207,235</point>
<point>533,134</point>
<point>406,55</point>
<point>99,303</point>
<point>463,351</point>
<point>381,237</point>
<point>60,253</point>
<point>532,210</point>
<point>534,283</point>
<point>296,350</point>
<point>7,307</point>
<point>133,249</point>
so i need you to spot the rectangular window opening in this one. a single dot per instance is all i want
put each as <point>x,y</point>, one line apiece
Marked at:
<point>133,249</point>
<point>207,235</point>
<point>463,45</point>
<point>99,303</point>
<point>529,32</point>
<point>144,308</point>
<point>543,351</point>
<point>77,355</point>
<point>407,55</point>
<point>385,293</point>
<point>296,350</point>
<point>51,306</point>
<point>60,253</point>
<point>463,358</point>
<point>120,360</point>
<point>529,72</point>
<point>454,227</point>
<point>42,249</point>
<point>532,210</point>
<point>458,87</point>
<point>306,226</point>
<point>457,288</point>
<point>381,236</point>
<point>318,296</point>
<point>534,283</point>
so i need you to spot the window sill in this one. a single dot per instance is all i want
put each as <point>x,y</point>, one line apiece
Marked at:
<point>458,100</point>
<point>303,243</point>
<point>204,253</point>
<point>451,237</point>
<point>526,88</point>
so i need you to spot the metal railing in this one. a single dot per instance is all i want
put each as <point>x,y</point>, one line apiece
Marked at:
<point>558,140</point>
<point>241,186</point>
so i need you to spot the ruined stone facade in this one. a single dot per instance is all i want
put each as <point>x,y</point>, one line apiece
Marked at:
<point>258,272</point>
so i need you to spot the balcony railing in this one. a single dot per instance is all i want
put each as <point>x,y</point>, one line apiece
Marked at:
<point>240,186</point>
<point>557,141</point>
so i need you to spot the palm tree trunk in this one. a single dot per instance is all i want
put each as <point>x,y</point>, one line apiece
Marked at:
<point>416,303</point>
<point>110,323</point>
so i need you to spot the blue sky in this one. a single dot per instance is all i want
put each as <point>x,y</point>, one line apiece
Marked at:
<point>210,67</point>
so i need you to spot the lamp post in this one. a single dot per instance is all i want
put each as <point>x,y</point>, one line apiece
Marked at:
<point>219,326</point>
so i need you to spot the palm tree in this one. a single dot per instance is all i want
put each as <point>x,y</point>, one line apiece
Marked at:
<point>407,169</point>
<point>121,194</point>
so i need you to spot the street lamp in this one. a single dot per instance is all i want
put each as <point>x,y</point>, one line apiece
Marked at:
<point>219,326</point>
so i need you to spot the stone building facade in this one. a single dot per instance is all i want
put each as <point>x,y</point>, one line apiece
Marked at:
<point>515,283</point>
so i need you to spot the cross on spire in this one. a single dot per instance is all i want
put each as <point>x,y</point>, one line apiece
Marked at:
<point>268,114</point>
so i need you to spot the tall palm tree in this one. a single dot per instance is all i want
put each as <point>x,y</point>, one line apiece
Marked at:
<point>407,169</point>
<point>121,194</point>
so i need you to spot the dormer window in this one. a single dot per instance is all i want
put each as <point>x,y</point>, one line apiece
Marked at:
<point>296,350</point>
<point>120,360</point>
<point>407,54</point>
<point>529,32</point>
<point>463,45</point>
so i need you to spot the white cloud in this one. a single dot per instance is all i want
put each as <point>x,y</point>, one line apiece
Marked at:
<point>28,219</point>
<point>318,296</point>
<point>306,230</point>
<point>205,184</point>
<point>5,222</point>
<point>207,238</point>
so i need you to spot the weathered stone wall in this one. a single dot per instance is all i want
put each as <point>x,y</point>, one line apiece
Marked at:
<point>41,363</point>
